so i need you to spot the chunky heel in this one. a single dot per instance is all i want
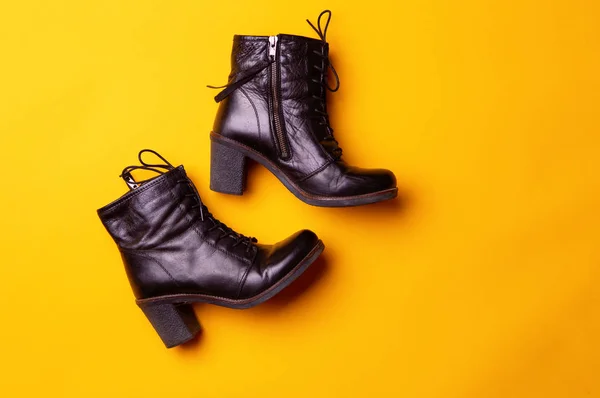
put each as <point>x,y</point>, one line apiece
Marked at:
<point>227,169</point>
<point>174,323</point>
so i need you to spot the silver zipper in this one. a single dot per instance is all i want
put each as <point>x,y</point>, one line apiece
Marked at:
<point>272,47</point>
<point>277,123</point>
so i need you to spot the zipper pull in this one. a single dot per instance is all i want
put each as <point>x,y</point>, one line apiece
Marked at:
<point>272,47</point>
<point>128,178</point>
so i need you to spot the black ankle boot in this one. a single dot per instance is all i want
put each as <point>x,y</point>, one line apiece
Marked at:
<point>274,111</point>
<point>176,253</point>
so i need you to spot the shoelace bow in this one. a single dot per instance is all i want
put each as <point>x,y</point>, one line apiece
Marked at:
<point>321,112</point>
<point>205,214</point>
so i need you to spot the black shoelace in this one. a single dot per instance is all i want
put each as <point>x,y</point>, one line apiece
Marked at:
<point>205,214</point>
<point>321,110</point>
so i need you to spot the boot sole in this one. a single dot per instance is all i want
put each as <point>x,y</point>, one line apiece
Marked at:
<point>230,178</point>
<point>174,320</point>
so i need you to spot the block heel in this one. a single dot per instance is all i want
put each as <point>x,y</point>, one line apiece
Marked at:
<point>174,323</point>
<point>227,169</point>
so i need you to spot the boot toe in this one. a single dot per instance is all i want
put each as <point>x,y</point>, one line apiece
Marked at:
<point>379,180</point>
<point>274,262</point>
<point>361,181</point>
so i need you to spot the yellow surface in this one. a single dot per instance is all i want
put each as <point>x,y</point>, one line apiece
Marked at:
<point>481,281</point>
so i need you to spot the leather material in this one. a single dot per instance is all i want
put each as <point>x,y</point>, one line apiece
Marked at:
<point>246,116</point>
<point>274,261</point>
<point>348,180</point>
<point>168,249</point>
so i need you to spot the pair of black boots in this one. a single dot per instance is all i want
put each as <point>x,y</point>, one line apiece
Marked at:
<point>273,111</point>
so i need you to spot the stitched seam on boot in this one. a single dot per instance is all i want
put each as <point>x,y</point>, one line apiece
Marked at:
<point>312,173</point>
<point>243,281</point>
<point>147,257</point>
<point>135,193</point>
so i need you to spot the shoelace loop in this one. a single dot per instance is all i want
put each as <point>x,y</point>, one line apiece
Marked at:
<point>322,32</point>
<point>156,168</point>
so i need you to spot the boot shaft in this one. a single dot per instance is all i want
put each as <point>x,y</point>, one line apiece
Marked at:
<point>155,212</point>
<point>278,106</point>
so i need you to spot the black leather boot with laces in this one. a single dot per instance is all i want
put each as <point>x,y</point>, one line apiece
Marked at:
<point>176,253</point>
<point>274,111</point>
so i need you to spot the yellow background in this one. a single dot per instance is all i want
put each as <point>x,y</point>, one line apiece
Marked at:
<point>480,281</point>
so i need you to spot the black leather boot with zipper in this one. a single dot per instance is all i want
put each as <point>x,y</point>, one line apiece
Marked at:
<point>176,253</point>
<point>274,111</point>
